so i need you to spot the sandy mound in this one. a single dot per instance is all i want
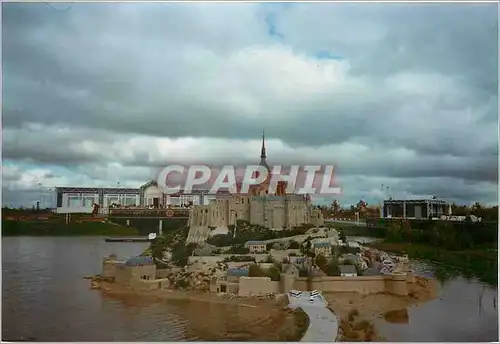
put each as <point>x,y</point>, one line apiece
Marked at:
<point>374,305</point>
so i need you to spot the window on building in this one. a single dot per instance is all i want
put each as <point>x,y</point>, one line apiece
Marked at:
<point>110,199</point>
<point>130,200</point>
<point>88,200</point>
<point>74,201</point>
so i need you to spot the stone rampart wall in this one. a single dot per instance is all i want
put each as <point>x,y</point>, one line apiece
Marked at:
<point>394,284</point>
<point>144,285</point>
<point>254,286</point>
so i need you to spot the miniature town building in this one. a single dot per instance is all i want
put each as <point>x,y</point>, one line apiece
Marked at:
<point>256,246</point>
<point>348,270</point>
<point>322,248</point>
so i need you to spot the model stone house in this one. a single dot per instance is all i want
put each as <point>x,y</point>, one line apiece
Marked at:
<point>348,270</point>
<point>256,246</point>
<point>323,248</point>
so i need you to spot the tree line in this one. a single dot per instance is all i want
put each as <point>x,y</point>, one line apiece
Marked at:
<point>487,213</point>
<point>451,235</point>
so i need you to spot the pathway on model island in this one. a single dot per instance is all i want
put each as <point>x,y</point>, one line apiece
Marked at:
<point>323,324</point>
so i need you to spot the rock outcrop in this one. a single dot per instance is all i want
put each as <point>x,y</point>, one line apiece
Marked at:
<point>197,277</point>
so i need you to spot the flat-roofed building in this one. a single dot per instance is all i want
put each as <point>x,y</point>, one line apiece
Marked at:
<point>415,209</point>
<point>348,271</point>
<point>81,199</point>
<point>72,199</point>
<point>256,246</point>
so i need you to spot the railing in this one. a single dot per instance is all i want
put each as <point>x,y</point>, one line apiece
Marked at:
<point>144,212</point>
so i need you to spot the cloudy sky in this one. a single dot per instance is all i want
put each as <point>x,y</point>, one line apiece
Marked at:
<point>399,94</point>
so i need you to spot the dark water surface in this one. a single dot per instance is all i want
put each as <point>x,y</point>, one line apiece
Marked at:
<point>466,310</point>
<point>44,298</point>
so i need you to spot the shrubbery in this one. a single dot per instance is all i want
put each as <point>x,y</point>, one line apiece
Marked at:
<point>254,233</point>
<point>273,272</point>
<point>240,259</point>
<point>239,249</point>
<point>447,234</point>
<point>181,253</point>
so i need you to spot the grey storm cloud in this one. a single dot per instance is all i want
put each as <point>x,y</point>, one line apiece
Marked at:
<point>104,83</point>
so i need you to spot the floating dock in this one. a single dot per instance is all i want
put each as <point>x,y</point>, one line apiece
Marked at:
<point>127,239</point>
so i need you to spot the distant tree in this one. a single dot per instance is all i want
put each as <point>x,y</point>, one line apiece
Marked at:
<point>239,249</point>
<point>181,253</point>
<point>335,251</point>
<point>333,268</point>
<point>311,254</point>
<point>255,271</point>
<point>294,245</point>
<point>335,207</point>
<point>476,206</point>
<point>157,246</point>
<point>273,273</point>
<point>342,236</point>
<point>321,262</point>
<point>361,205</point>
<point>304,248</point>
<point>269,259</point>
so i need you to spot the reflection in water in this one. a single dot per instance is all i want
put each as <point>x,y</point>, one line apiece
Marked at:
<point>464,311</point>
<point>397,317</point>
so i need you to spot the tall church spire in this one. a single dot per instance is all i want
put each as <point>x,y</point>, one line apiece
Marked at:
<point>263,149</point>
<point>263,156</point>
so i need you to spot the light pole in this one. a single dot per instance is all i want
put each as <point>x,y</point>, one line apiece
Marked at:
<point>404,204</point>
<point>40,196</point>
<point>49,203</point>
<point>382,199</point>
<point>119,195</point>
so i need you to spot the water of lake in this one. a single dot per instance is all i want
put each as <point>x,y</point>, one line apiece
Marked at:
<point>44,298</point>
<point>466,310</point>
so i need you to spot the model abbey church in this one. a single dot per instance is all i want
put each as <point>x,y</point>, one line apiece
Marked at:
<point>274,209</point>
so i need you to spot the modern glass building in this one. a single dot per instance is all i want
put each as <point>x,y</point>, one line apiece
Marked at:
<point>81,199</point>
<point>415,209</point>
